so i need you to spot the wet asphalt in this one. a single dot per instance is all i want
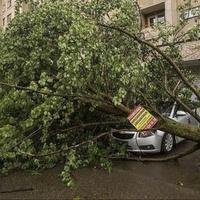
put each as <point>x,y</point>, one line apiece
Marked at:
<point>178,179</point>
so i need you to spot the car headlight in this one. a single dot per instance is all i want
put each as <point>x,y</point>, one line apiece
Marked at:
<point>146,134</point>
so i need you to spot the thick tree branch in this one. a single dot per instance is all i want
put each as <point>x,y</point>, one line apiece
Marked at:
<point>150,105</point>
<point>69,96</point>
<point>35,91</point>
<point>182,130</point>
<point>187,108</point>
<point>165,159</point>
<point>172,94</point>
<point>120,107</point>
<point>168,59</point>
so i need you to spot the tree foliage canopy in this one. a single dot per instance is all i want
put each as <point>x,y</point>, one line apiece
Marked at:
<point>62,66</point>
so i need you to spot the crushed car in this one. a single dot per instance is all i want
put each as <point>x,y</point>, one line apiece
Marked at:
<point>154,141</point>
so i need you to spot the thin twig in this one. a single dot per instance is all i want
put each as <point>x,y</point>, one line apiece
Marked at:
<point>176,87</point>
<point>26,138</point>
<point>140,13</point>
<point>67,149</point>
<point>88,125</point>
<point>79,144</point>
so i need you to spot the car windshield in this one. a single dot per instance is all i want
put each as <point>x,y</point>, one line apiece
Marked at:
<point>170,109</point>
<point>167,108</point>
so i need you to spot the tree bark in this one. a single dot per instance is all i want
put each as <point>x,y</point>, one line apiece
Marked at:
<point>163,159</point>
<point>182,130</point>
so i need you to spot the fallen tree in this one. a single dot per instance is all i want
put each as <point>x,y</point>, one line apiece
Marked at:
<point>65,64</point>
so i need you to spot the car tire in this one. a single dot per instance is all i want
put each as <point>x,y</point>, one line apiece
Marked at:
<point>168,142</point>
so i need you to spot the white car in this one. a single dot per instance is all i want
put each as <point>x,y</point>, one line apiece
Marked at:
<point>154,141</point>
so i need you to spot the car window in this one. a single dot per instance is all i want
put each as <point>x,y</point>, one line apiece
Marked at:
<point>166,108</point>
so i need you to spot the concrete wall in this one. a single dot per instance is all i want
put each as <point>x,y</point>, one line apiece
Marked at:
<point>171,14</point>
<point>190,50</point>
<point>1,21</point>
<point>6,10</point>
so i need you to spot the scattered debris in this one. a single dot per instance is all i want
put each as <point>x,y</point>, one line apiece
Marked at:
<point>18,190</point>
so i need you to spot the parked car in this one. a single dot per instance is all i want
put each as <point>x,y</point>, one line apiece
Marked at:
<point>154,141</point>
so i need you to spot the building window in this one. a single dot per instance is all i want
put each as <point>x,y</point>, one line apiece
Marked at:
<point>4,21</point>
<point>154,18</point>
<point>9,3</point>
<point>9,17</point>
<point>193,12</point>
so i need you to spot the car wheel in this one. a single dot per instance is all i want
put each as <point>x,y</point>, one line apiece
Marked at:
<point>168,143</point>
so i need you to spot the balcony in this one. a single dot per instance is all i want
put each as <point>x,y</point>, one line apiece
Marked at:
<point>152,13</point>
<point>149,6</point>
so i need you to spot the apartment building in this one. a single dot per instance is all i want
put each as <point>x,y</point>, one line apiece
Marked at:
<point>7,12</point>
<point>154,11</point>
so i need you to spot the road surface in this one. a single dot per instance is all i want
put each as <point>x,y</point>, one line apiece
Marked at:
<point>129,180</point>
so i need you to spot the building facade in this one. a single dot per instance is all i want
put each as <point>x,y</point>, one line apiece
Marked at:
<point>167,10</point>
<point>7,12</point>
<point>154,11</point>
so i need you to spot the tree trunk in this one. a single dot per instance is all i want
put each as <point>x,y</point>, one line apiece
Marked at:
<point>170,126</point>
<point>182,130</point>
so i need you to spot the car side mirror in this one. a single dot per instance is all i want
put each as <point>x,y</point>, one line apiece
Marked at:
<point>180,113</point>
